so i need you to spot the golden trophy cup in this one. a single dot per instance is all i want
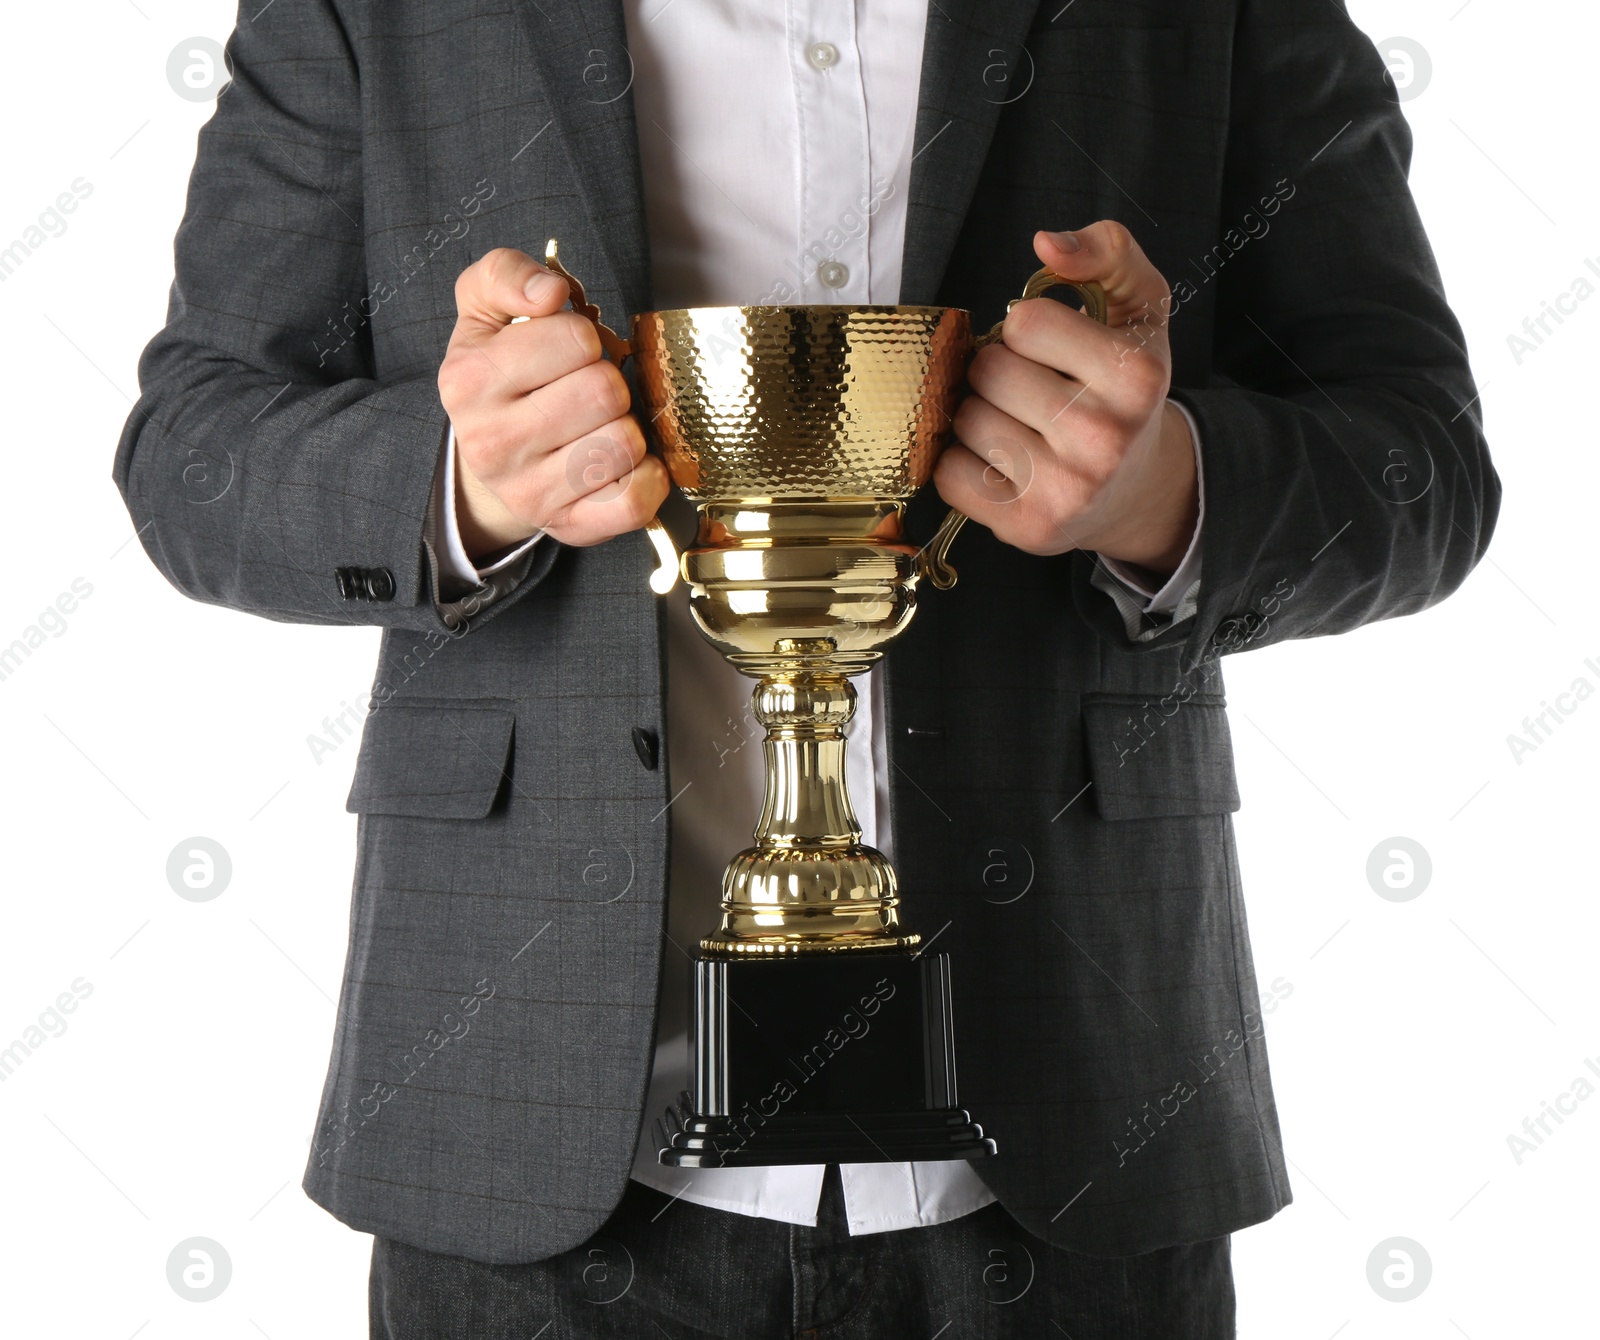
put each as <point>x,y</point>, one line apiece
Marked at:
<point>800,434</point>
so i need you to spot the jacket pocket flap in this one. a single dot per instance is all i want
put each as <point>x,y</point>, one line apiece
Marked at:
<point>438,761</point>
<point>1152,757</point>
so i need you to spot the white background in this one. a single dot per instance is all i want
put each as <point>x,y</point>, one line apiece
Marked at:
<point>1417,1037</point>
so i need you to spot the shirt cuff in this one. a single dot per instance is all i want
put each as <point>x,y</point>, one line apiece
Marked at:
<point>1179,596</point>
<point>460,588</point>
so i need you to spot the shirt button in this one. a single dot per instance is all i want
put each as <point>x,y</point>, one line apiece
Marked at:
<point>822,55</point>
<point>833,274</point>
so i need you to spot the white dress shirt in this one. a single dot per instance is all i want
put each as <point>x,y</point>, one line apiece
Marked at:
<point>776,143</point>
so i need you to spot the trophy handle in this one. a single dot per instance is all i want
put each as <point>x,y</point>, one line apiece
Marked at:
<point>934,561</point>
<point>617,349</point>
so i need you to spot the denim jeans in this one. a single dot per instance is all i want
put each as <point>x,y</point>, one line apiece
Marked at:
<point>660,1268</point>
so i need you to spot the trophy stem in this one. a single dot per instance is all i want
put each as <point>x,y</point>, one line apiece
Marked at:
<point>808,885</point>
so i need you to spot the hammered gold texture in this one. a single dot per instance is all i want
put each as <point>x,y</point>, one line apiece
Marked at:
<point>801,402</point>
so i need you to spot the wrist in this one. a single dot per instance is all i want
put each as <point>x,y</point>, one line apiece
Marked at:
<point>486,525</point>
<point>1160,534</point>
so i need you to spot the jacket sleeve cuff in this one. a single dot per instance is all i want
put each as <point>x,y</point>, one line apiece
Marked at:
<point>460,588</point>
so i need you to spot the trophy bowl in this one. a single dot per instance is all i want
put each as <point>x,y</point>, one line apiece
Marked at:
<point>800,433</point>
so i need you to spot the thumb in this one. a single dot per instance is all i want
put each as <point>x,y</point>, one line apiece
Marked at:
<point>504,286</point>
<point>1107,253</point>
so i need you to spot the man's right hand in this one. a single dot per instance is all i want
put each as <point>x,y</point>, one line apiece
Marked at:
<point>544,439</point>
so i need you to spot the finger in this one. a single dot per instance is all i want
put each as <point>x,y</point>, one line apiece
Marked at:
<point>512,440</point>
<point>973,486</point>
<point>1020,516</point>
<point>1138,305</point>
<point>597,466</point>
<point>1107,253</point>
<point>502,285</point>
<point>1126,371</point>
<point>1034,395</point>
<point>545,484</point>
<point>1010,450</point>
<point>970,484</point>
<point>493,369</point>
<point>573,406</point>
<point>606,513</point>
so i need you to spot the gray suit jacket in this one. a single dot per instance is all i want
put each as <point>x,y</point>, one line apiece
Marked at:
<point>1062,789</point>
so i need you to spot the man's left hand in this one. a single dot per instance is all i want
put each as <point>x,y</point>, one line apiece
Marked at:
<point>1068,440</point>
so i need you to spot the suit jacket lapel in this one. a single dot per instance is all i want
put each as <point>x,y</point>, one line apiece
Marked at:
<point>579,48</point>
<point>973,64</point>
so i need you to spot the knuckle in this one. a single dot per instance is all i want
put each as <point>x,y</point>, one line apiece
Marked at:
<point>467,284</point>
<point>460,381</point>
<point>562,525</point>
<point>580,332</point>
<point>492,270</point>
<point>985,363</point>
<point>944,471</point>
<point>1023,319</point>
<point>647,490</point>
<point>449,382</point>
<point>1145,375</point>
<point>1098,437</point>
<point>629,437</point>
<point>502,263</point>
<point>1118,240</point>
<point>477,276</point>
<point>643,500</point>
<point>604,389</point>
<point>1093,471</point>
<point>485,449</point>
<point>964,423</point>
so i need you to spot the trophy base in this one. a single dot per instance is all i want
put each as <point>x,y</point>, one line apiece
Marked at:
<point>827,1059</point>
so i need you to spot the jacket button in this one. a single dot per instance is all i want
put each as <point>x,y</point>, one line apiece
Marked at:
<point>380,584</point>
<point>349,583</point>
<point>646,747</point>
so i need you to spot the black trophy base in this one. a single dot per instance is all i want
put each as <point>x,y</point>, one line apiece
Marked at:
<point>844,1059</point>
